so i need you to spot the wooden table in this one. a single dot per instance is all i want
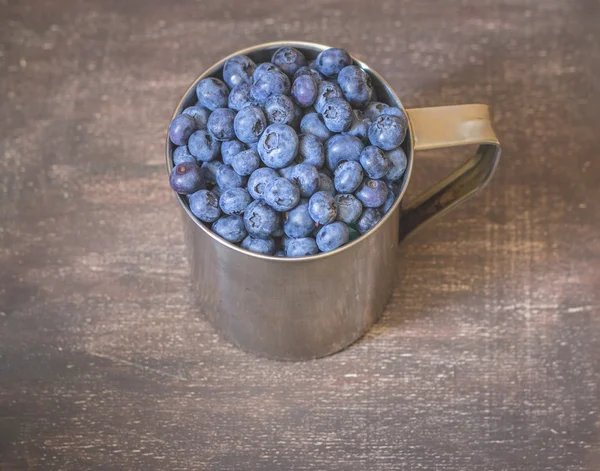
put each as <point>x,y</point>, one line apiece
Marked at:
<point>488,357</point>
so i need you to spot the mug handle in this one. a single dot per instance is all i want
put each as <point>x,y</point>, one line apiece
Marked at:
<point>451,126</point>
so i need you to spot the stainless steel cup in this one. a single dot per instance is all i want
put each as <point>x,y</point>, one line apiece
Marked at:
<point>310,307</point>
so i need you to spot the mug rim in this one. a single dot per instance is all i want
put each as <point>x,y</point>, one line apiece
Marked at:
<point>209,72</point>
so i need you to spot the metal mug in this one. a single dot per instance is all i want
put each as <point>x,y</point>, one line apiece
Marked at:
<point>310,307</point>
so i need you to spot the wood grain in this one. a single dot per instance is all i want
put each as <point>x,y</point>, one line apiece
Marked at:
<point>488,355</point>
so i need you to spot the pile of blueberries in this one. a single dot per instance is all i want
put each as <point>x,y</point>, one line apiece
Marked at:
<point>289,157</point>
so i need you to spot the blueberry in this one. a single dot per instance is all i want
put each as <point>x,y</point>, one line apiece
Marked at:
<point>181,128</point>
<point>301,247</point>
<point>312,123</point>
<point>238,70</point>
<point>260,220</point>
<point>231,228</point>
<point>393,111</point>
<point>278,145</point>
<point>212,93</point>
<point>246,162</point>
<point>389,202</point>
<point>209,171</point>
<point>398,163</point>
<point>375,162</point>
<point>182,154</point>
<point>231,148</point>
<point>280,109</point>
<point>298,222</point>
<point>234,201</point>
<point>310,150</point>
<point>342,147</point>
<point>205,205</point>
<point>360,126</point>
<point>261,246</point>
<point>306,178</point>
<point>288,59</point>
<point>387,132</point>
<point>348,176</point>
<point>333,236</point>
<point>322,207</point>
<point>258,180</point>
<point>374,109</point>
<point>279,253</point>
<point>281,194</point>
<point>203,146</point>
<point>304,90</point>
<point>200,115</point>
<point>326,91</point>
<point>337,114</point>
<point>263,68</point>
<point>220,124</point>
<point>249,124</point>
<point>326,184</point>
<point>356,85</point>
<point>240,97</point>
<point>331,61</point>
<point>270,83</point>
<point>186,178</point>
<point>368,219</point>
<point>349,208</point>
<point>227,178</point>
<point>372,193</point>
<point>306,70</point>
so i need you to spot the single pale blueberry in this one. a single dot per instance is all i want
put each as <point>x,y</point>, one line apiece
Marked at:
<point>203,146</point>
<point>181,128</point>
<point>212,93</point>
<point>387,132</point>
<point>249,124</point>
<point>331,61</point>
<point>301,247</point>
<point>349,208</point>
<point>205,205</point>
<point>333,236</point>
<point>260,220</point>
<point>231,228</point>
<point>348,176</point>
<point>260,246</point>
<point>278,145</point>
<point>288,59</point>
<point>234,201</point>
<point>238,69</point>
<point>375,162</point>
<point>220,124</point>
<point>322,207</point>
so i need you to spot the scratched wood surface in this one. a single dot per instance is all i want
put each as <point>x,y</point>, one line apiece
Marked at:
<point>488,356</point>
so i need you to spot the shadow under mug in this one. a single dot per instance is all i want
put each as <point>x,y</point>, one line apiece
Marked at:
<point>310,307</point>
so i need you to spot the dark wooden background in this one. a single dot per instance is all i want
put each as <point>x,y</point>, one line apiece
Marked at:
<point>488,357</point>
